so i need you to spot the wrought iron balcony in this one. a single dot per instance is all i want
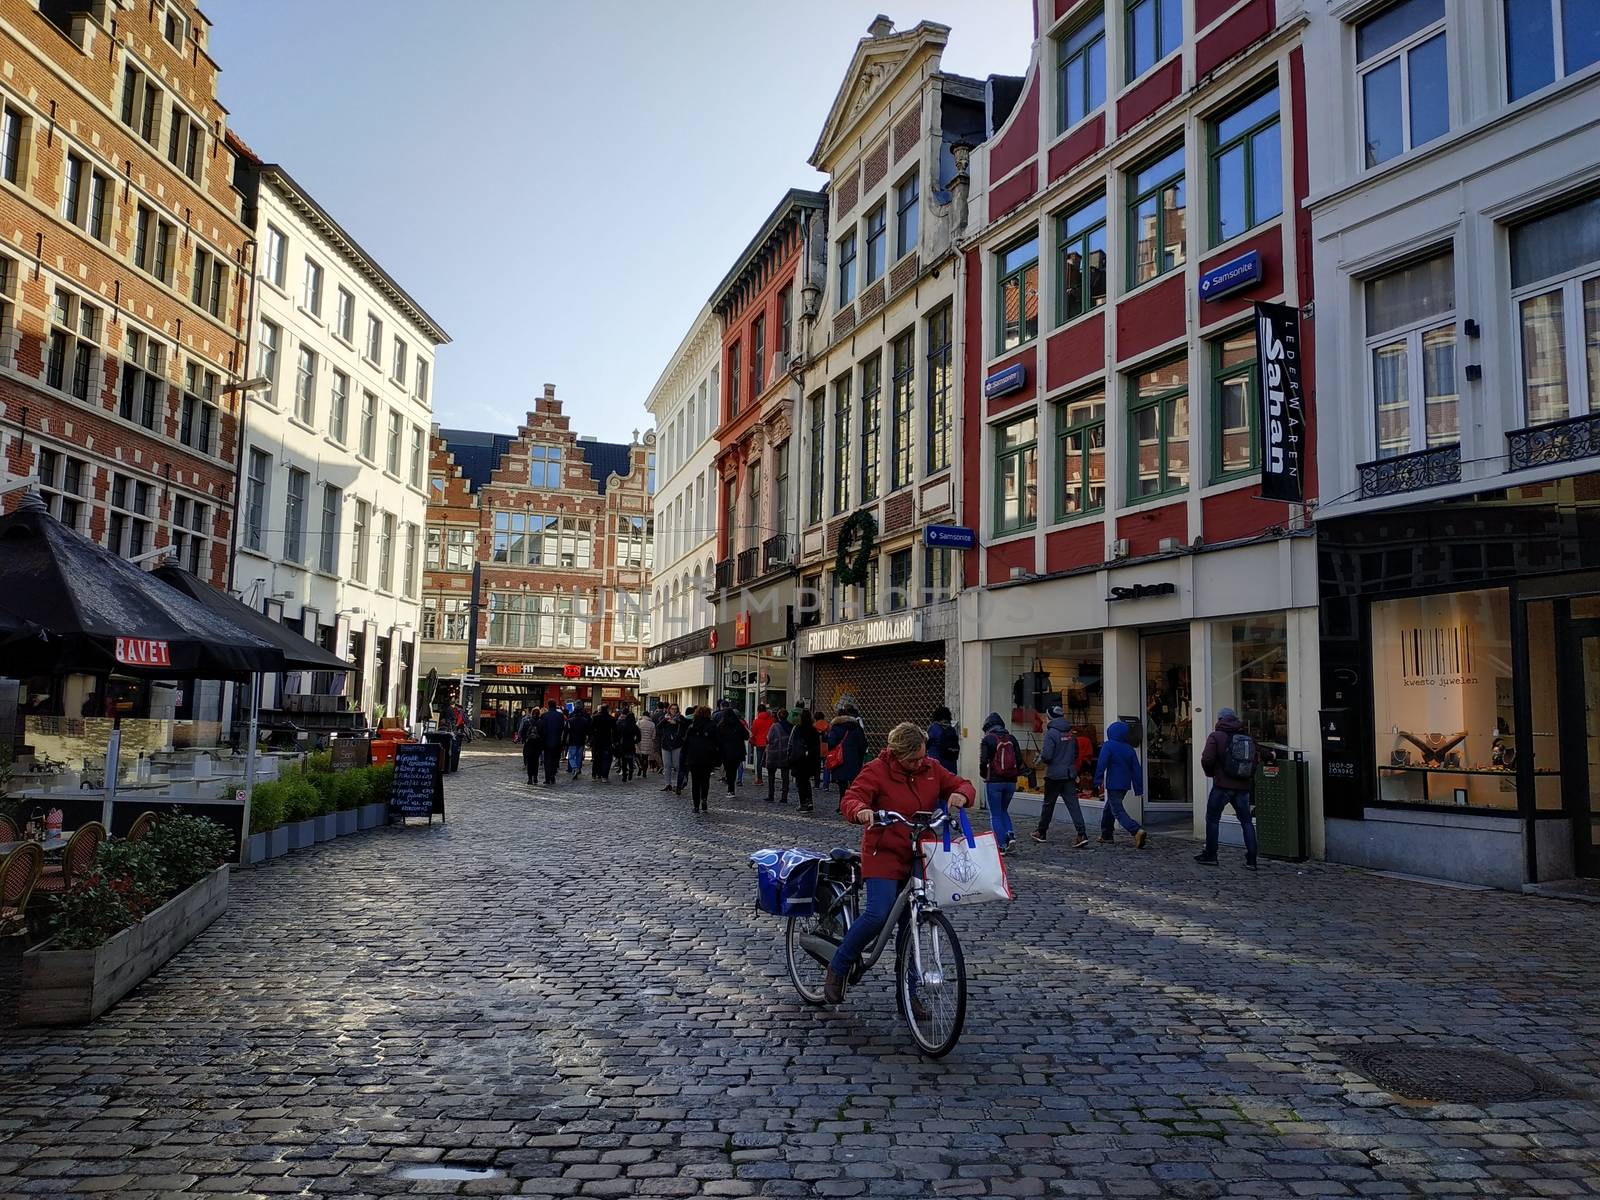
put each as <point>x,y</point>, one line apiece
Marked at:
<point>1410,472</point>
<point>1557,442</point>
<point>724,574</point>
<point>749,561</point>
<point>775,552</point>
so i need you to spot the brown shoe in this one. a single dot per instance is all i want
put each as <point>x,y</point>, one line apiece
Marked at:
<point>833,988</point>
<point>1138,840</point>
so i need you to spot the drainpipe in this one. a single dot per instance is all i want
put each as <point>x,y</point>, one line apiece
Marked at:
<point>243,421</point>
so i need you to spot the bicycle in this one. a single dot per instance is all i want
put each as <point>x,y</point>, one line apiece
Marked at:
<point>930,971</point>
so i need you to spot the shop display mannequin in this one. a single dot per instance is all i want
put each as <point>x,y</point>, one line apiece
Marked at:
<point>1434,746</point>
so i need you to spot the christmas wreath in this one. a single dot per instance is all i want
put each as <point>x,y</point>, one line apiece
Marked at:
<point>857,537</point>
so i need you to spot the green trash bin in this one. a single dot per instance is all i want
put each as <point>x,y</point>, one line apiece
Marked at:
<point>1280,807</point>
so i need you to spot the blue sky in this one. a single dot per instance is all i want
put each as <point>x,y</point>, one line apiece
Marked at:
<point>560,183</point>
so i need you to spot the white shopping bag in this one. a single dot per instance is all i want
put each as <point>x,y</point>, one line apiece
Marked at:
<point>966,869</point>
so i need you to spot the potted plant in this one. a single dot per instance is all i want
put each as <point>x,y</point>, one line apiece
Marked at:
<point>269,837</point>
<point>351,790</point>
<point>326,819</point>
<point>379,782</point>
<point>300,802</point>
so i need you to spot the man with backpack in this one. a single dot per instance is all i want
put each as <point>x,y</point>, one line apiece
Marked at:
<point>1060,756</point>
<point>777,755</point>
<point>1229,760</point>
<point>999,764</point>
<point>944,739</point>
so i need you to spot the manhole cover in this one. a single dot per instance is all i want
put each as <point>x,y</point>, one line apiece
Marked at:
<point>1450,1076</point>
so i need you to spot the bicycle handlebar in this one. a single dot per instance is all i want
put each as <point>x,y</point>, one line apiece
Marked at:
<point>933,821</point>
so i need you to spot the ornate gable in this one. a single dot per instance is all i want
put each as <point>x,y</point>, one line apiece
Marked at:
<point>878,61</point>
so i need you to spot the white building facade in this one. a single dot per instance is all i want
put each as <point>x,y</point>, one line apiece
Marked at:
<point>1456,239</point>
<point>334,461</point>
<point>684,405</point>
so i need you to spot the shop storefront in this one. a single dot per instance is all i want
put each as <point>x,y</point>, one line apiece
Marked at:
<point>1461,667</point>
<point>682,671</point>
<point>752,658</point>
<point>533,685</point>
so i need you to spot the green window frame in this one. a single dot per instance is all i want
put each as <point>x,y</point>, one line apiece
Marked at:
<point>1158,430</point>
<point>1156,217</point>
<point>1246,166</point>
<point>1081,72</point>
<point>1081,455</point>
<point>1016,293</point>
<point>940,421</point>
<point>1016,475</point>
<point>841,443</point>
<point>902,400</point>
<point>816,477</point>
<point>1081,260</point>
<point>900,597</point>
<point>1235,403</point>
<point>1153,29</point>
<point>871,427</point>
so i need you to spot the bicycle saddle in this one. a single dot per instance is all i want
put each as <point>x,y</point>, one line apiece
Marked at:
<point>840,854</point>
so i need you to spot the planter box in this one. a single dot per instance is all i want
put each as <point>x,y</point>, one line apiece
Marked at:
<point>346,819</point>
<point>73,987</point>
<point>301,834</point>
<point>372,815</point>
<point>255,849</point>
<point>278,841</point>
<point>327,827</point>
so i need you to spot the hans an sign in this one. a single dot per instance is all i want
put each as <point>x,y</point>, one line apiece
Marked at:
<point>1282,419</point>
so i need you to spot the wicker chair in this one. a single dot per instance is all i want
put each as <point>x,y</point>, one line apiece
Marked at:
<point>19,872</point>
<point>8,830</point>
<point>141,826</point>
<point>76,859</point>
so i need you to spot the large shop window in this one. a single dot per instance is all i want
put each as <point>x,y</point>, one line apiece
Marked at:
<point>1250,674</point>
<point>1029,675</point>
<point>1411,348</point>
<point>1442,713</point>
<point>1555,280</point>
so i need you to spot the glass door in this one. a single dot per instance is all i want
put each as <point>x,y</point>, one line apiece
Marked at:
<point>1583,768</point>
<point>1168,728</point>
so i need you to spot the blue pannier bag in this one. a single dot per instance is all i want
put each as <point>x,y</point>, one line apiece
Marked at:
<point>786,881</point>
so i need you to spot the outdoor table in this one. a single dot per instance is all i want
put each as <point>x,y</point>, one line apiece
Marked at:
<point>53,844</point>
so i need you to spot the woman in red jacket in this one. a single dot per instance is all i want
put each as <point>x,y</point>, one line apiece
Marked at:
<point>903,780</point>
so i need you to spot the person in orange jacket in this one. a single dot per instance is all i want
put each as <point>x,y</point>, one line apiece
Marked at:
<point>759,729</point>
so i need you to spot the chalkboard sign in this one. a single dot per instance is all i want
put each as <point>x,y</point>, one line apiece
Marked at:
<point>418,781</point>
<point>351,752</point>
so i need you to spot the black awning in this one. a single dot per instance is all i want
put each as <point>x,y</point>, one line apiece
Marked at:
<point>299,654</point>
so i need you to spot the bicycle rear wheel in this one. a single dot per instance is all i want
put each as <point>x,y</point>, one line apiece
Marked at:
<point>935,1004</point>
<point>827,921</point>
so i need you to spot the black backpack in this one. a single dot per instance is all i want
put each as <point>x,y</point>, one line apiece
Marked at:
<point>1238,758</point>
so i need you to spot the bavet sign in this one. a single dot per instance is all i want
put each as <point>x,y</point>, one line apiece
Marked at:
<point>861,635</point>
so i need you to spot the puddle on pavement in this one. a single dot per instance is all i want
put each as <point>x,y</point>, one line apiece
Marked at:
<point>457,1174</point>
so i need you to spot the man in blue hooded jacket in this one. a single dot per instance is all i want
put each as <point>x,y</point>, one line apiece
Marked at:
<point>1118,771</point>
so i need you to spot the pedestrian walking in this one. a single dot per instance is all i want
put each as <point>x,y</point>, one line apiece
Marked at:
<point>999,764</point>
<point>669,734</point>
<point>847,746</point>
<point>502,723</point>
<point>552,731</point>
<point>1229,760</point>
<point>647,744</point>
<point>528,735</point>
<point>626,743</point>
<point>805,753</point>
<point>760,728</point>
<point>944,739</point>
<point>602,734</point>
<point>732,736</point>
<point>1117,772</point>
<point>1060,757</point>
<point>777,755</point>
<point>821,723</point>
<point>702,751</point>
<point>579,725</point>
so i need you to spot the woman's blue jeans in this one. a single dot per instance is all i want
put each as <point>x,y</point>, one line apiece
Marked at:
<point>999,797</point>
<point>880,899</point>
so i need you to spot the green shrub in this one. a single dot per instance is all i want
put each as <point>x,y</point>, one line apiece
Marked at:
<point>324,783</point>
<point>266,806</point>
<point>300,799</point>
<point>382,782</point>
<point>318,761</point>
<point>352,789</point>
<point>187,849</point>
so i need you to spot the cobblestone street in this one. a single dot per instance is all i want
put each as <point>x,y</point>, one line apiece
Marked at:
<point>574,993</point>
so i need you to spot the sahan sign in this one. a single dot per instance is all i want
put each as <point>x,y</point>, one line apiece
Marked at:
<point>1283,415</point>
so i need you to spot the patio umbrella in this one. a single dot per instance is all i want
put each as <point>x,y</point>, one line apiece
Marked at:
<point>299,654</point>
<point>101,613</point>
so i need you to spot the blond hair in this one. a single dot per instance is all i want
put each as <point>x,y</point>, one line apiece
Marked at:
<point>906,739</point>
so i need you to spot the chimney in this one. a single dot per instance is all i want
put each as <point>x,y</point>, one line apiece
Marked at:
<point>547,403</point>
<point>881,26</point>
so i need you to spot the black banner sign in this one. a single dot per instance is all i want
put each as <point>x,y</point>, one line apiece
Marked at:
<point>351,752</point>
<point>1283,415</point>
<point>418,780</point>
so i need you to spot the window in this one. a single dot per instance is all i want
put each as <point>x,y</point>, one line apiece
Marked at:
<point>294,515</point>
<point>1403,78</point>
<point>191,522</point>
<point>269,338</point>
<point>634,535</point>
<point>899,580</point>
<point>143,376</point>
<point>369,426</point>
<point>1081,455</point>
<point>871,425</point>
<point>869,588</point>
<point>1154,30</point>
<point>84,197</point>
<point>544,466</point>
<point>257,495</point>
<point>1081,72</point>
<point>1411,353</point>
<point>311,295</point>
<point>277,255</point>
<point>13,130</point>
<point>1233,404</point>
<point>408,581</point>
<point>456,553</point>
<point>344,315</point>
<point>730,513</point>
<point>1555,280</point>
<point>785,321</point>
<point>1158,430</point>
<point>735,375</point>
<point>758,356</point>
<point>418,441</point>
<point>841,444</point>
<point>328,547</point>
<point>902,399</point>
<point>397,369</point>
<point>1081,260</point>
<point>907,198</point>
<point>1156,218</point>
<point>386,552</point>
<point>128,517</point>
<point>877,243</point>
<point>752,501</point>
<point>940,419</point>
<point>780,491</point>
<point>650,473</point>
<point>74,339</point>
<point>338,406</point>
<point>1246,167</point>
<point>305,386</point>
<point>141,103</point>
<point>1016,475</point>
<point>576,542</point>
<point>391,457</point>
<point>63,483</point>
<point>938,576</point>
<point>174,26</point>
<point>847,268</point>
<point>184,135</point>
<point>518,539</point>
<point>444,618</point>
<point>374,341</point>
<point>419,382</point>
<point>1547,40</point>
<point>1017,307</point>
<point>153,240</point>
<point>814,463</point>
<point>539,621</point>
<point>200,419</point>
<point>210,278</point>
<point>358,541</point>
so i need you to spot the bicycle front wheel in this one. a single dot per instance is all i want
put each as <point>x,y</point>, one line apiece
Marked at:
<point>808,974</point>
<point>934,998</point>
